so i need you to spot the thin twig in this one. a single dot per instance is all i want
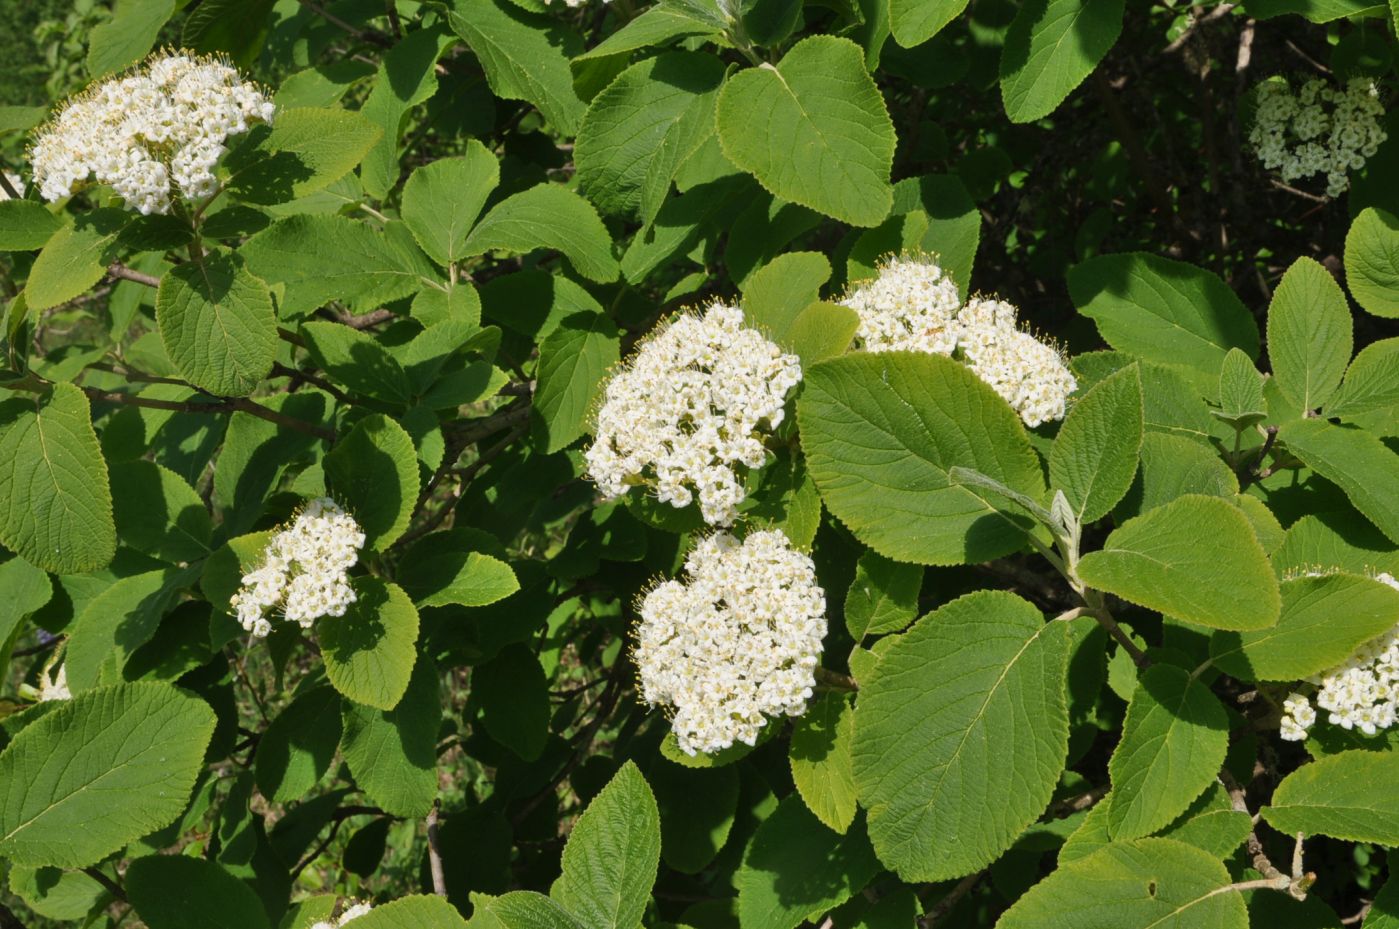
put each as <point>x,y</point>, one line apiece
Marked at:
<point>8,187</point>
<point>951,899</point>
<point>434,853</point>
<point>229,405</point>
<point>119,270</point>
<point>1224,9</point>
<point>366,320</point>
<point>368,35</point>
<point>111,886</point>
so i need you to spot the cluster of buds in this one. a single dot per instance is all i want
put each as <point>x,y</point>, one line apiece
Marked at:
<point>1317,129</point>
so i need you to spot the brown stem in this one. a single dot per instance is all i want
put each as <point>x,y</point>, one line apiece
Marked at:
<point>281,370</point>
<point>229,405</point>
<point>434,853</point>
<point>951,899</point>
<point>368,35</point>
<point>835,680</point>
<point>119,270</point>
<point>111,886</point>
<point>366,320</point>
<point>8,187</point>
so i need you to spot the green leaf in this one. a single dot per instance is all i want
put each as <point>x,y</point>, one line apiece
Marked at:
<point>55,502</point>
<point>881,431</point>
<point>573,363</point>
<point>74,258</point>
<point>883,597</point>
<point>127,36</point>
<point>525,57</point>
<point>796,869</point>
<point>1309,334</point>
<point>116,622</point>
<point>59,895</point>
<point>1363,466</point>
<point>1372,381</point>
<point>1173,742</point>
<point>639,130</point>
<point>657,25</point>
<point>357,360</point>
<point>1335,542</point>
<point>822,765</point>
<point>933,214</point>
<point>465,578</point>
<point>519,909</point>
<point>1316,11</point>
<point>99,772</point>
<point>324,258</point>
<point>1195,559</point>
<point>393,753</point>
<point>175,891</point>
<point>442,199</point>
<point>373,472</point>
<point>827,141</point>
<point>296,749</point>
<point>26,589</point>
<point>158,513</point>
<point>697,810</point>
<point>305,150</point>
<point>218,324</point>
<point>1144,884</point>
<point>1164,311</point>
<point>776,294</point>
<point>961,732</point>
<point>1372,262</point>
<point>512,694</point>
<point>25,225</point>
<point>407,77</point>
<point>822,331</point>
<point>913,22</point>
<point>548,216</point>
<point>1324,620</point>
<point>415,912</point>
<point>612,855</point>
<point>1240,391</point>
<point>1344,796</point>
<point>1171,467</point>
<point>370,651</point>
<point>1094,457</point>
<point>1050,48</point>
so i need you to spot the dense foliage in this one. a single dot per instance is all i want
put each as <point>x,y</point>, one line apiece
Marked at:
<point>729,464</point>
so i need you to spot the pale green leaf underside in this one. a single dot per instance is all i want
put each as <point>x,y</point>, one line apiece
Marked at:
<point>961,732</point>
<point>1094,457</point>
<point>1309,334</point>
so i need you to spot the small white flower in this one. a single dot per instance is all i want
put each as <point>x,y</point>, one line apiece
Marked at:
<point>688,414</point>
<point>1317,129</point>
<point>912,305</point>
<point>736,643</point>
<point>304,570</point>
<point>53,685</point>
<point>165,121</point>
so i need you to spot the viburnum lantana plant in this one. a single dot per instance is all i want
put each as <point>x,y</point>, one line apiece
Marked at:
<point>733,465</point>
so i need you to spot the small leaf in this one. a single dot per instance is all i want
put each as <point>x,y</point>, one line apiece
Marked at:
<point>393,753</point>
<point>1372,262</point>
<point>407,77</point>
<point>442,199</point>
<point>99,772</point>
<point>1358,462</point>
<point>1195,559</point>
<point>822,331</point>
<point>1094,457</point>
<point>1240,391</point>
<point>305,150</point>
<point>370,651</point>
<point>55,500</point>
<point>175,891</point>
<point>1324,620</point>
<point>1143,884</point>
<point>74,258</point>
<point>796,868</point>
<point>883,597</point>
<point>127,36</point>
<point>1342,796</point>
<point>373,472</point>
<point>296,749</point>
<point>218,324</point>
<point>25,225</point>
<point>158,513</point>
<point>822,766</point>
<point>357,360</point>
<point>1173,742</point>
<point>1372,381</point>
<point>914,22</point>
<point>548,216</point>
<point>116,622</point>
<point>1309,334</point>
<point>775,295</point>
<point>574,361</point>
<point>961,732</point>
<point>612,855</point>
<point>827,141</point>
<point>465,578</point>
<point>1050,48</point>
<point>881,432</point>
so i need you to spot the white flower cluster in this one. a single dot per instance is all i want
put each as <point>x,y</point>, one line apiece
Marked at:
<point>303,570</point>
<point>53,685</point>
<point>913,306</point>
<point>1361,692</point>
<point>689,409</point>
<point>165,122</point>
<point>736,643</point>
<point>1319,129</point>
<point>354,912</point>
